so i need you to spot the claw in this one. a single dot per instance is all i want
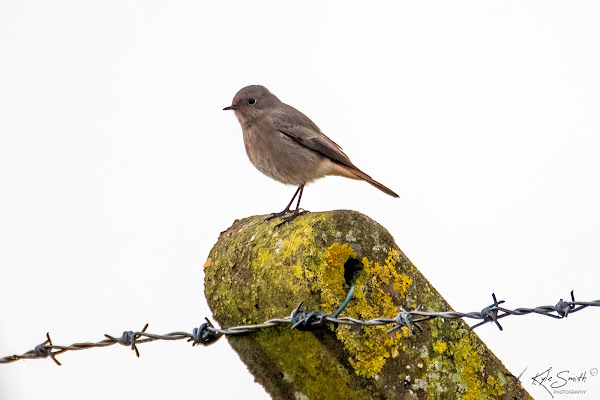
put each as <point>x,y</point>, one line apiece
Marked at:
<point>291,218</point>
<point>278,214</point>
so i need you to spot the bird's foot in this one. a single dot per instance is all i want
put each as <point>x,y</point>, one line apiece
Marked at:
<point>291,217</point>
<point>278,214</point>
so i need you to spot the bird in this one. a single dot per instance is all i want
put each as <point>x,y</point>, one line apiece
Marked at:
<point>287,146</point>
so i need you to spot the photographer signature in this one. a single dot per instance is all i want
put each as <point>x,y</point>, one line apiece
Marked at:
<point>550,380</point>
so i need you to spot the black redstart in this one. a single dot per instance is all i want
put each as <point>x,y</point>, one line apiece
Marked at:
<point>287,146</point>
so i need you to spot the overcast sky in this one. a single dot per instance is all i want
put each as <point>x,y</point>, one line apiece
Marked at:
<point>119,169</point>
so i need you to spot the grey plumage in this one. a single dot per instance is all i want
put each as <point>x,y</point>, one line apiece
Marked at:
<point>286,145</point>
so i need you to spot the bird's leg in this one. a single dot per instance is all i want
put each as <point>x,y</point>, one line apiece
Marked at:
<point>296,211</point>
<point>287,209</point>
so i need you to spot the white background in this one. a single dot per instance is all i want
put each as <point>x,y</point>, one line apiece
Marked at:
<point>118,170</point>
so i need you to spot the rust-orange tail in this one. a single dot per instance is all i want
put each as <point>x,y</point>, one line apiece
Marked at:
<point>355,173</point>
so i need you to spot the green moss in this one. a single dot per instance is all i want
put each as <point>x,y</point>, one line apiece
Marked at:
<point>293,348</point>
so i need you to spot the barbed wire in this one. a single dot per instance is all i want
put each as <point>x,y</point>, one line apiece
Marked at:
<point>305,320</point>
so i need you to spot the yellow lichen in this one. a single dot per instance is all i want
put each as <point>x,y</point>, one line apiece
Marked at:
<point>456,359</point>
<point>263,257</point>
<point>333,290</point>
<point>468,363</point>
<point>369,347</point>
<point>297,271</point>
<point>440,347</point>
<point>337,255</point>
<point>493,387</point>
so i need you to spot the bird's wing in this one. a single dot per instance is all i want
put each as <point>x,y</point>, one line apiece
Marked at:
<point>302,130</point>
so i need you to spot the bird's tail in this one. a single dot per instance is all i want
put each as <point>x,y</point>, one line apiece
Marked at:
<point>381,187</point>
<point>355,173</point>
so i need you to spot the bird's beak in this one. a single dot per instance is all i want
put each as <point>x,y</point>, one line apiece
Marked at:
<point>230,108</point>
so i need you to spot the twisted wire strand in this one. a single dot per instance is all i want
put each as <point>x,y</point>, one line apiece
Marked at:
<point>302,319</point>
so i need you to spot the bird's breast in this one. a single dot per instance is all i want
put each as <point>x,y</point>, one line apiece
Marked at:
<point>279,157</point>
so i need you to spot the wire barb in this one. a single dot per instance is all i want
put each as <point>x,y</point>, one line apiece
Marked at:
<point>563,308</point>
<point>405,319</point>
<point>44,350</point>
<point>129,338</point>
<point>490,313</point>
<point>205,335</point>
<point>303,320</point>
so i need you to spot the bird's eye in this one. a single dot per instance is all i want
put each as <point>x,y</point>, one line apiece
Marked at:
<point>251,101</point>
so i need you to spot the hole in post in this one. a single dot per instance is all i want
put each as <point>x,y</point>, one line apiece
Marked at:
<point>352,267</point>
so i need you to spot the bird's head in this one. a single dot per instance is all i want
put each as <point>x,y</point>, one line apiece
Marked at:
<point>251,102</point>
